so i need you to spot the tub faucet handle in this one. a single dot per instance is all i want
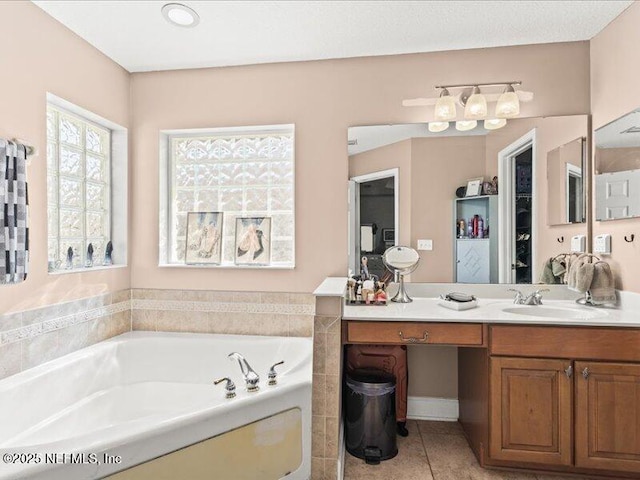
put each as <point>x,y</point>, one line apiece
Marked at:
<point>272,375</point>
<point>229,387</point>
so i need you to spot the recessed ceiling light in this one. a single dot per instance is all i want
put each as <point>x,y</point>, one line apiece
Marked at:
<point>180,15</point>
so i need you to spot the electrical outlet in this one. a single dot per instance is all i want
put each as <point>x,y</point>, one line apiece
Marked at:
<point>425,244</point>
<point>602,244</point>
<point>578,243</point>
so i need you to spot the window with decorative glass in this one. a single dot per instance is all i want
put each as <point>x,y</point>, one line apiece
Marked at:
<point>79,189</point>
<point>241,172</point>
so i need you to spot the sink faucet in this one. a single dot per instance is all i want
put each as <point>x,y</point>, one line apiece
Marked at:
<point>534,298</point>
<point>251,378</point>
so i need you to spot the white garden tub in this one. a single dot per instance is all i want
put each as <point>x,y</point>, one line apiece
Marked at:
<point>142,395</point>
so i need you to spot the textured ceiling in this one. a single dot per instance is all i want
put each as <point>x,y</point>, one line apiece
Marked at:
<point>135,34</point>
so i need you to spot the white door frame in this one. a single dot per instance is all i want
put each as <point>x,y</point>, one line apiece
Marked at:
<point>572,170</point>
<point>354,211</point>
<point>506,206</point>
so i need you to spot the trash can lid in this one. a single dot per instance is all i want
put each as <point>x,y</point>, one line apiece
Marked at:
<point>371,377</point>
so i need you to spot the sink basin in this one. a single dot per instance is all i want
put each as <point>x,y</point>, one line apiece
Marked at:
<point>567,313</point>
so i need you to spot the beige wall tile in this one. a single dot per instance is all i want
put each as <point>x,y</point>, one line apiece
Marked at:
<point>330,469</point>
<point>156,294</point>
<point>10,321</point>
<point>302,299</point>
<point>198,296</point>
<point>318,395</point>
<point>332,434</point>
<point>121,322</point>
<point>319,352</point>
<point>195,322</point>
<point>168,320</point>
<point>73,338</point>
<point>246,297</point>
<point>317,468</point>
<point>331,306</point>
<point>333,354</point>
<point>300,325</point>
<point>121,296</point>
<point>332,389</point>
<point>143,320</point>
<point>100,329</point>
<point>317,436</point>
<point>39,349</point>
<point>37,315</point>
<point>11,359</point>
<point>274,298</point>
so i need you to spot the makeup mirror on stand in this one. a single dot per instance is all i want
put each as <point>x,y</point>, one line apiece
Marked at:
<point>401,261</point>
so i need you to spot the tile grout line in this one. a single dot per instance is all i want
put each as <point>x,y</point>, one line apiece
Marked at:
<point>424,447</point>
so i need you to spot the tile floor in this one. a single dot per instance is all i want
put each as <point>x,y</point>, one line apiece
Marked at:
<point>432,451</point>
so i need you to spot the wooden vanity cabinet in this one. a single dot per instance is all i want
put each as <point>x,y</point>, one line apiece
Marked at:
<point>607,416</point>
<point>531,403</point>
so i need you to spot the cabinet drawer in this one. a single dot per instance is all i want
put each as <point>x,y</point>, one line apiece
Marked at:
<point>566,342</point>
<point>414,333</point>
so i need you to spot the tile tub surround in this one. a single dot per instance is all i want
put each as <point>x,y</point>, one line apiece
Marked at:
<point>206,311</point>
<point>31,337</point>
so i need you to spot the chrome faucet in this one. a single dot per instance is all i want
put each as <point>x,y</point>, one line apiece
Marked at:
<point>251,378</point>
<point>534,298</point>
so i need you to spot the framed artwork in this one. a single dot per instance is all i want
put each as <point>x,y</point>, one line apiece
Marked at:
<point>204,238</point>
<point>474,187</point>
<point>253,241</point>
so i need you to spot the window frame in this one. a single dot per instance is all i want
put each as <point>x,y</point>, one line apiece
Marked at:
<point>166,197</point>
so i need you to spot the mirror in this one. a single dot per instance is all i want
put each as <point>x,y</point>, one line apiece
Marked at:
<point>401,261</point>
<point>617,168</point>
<point>480,206</point>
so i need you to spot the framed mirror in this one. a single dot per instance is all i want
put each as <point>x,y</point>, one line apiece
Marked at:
<point>410,186</point>
<point>617,168</point>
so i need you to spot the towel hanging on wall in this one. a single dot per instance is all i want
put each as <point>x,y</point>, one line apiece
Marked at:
<point>14,227</point>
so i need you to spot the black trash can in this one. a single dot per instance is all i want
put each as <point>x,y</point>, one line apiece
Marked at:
<point>370,415</point>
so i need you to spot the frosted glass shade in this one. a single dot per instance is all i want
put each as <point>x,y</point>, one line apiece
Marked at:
<point>476,107</point>
<point>435,127</point>
<point>494,123</point>
<point>508,105</point>
<point>464,125</point>
<point>445,107</point>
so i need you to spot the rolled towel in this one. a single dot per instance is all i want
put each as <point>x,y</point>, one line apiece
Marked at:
<point>603,289</point>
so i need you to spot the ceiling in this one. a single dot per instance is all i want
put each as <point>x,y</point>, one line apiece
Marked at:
<point>134,33</point>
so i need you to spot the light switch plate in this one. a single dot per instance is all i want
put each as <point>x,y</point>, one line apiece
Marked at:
<point>602,244</point>
<point>425,244</point>
<point>578,243</point>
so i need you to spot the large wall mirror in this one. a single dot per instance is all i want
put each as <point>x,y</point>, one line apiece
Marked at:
<point>617,168</point>
<point>481,206</point>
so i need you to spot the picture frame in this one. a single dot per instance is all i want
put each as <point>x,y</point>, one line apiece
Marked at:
<point>203,243</point>
<point>474,187</point>
<point>253,241</point>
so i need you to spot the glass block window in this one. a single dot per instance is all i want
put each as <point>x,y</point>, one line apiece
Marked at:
<point>78,187</point>
<point>238,173</point>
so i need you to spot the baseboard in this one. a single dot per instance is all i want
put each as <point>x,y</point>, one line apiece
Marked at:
<point>432,408</point>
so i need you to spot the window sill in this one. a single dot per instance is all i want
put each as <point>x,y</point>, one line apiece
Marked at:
<point>284,266</point>
<point>87,269</point>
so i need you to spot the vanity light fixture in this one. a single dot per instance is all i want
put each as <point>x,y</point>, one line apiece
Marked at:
<point>466,125</point>
<point>494,123</point>
<point>180,15</point>
<point>508,105</point>
<point>445,107</point>
<point>476,106</point>
<point>435,127</point>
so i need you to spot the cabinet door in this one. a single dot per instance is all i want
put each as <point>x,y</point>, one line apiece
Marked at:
<point>473,263</point>
<point>531,403</point>
<point>608,416</point>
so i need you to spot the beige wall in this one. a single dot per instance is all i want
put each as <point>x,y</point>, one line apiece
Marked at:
<point>39,55</point>
<point>614,92</point>
<point>323,99</point>
<point>608,160</point>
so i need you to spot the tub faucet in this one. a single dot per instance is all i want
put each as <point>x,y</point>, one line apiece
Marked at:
<point>250,376</point>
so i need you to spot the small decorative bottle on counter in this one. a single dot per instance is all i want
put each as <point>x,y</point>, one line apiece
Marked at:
<point>470,228</point>
<point>480,227</point>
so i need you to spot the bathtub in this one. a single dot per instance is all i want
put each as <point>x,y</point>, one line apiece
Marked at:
<point>142,395</point>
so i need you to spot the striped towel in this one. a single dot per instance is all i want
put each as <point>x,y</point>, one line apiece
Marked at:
<point>14,230</point>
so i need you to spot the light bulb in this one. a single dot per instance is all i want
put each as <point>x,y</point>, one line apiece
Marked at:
<point>476,107</point>
<point>445,107</point>
<point>494,123</point>
<point>508,105</point>
<point>464,125</point>
<point>436,127</point>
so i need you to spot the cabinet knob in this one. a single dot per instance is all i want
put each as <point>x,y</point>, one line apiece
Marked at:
<point>585,373</point>
<point>568,371</point>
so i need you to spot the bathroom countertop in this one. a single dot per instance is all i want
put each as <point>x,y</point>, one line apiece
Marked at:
<point>493,311</point>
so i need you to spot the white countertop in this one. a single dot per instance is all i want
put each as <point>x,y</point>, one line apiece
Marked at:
<point>493,311</point>
<point>331,287</point>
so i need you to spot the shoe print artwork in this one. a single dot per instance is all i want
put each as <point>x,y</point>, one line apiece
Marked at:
<point>204,238</point>
<point>253,241</point>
